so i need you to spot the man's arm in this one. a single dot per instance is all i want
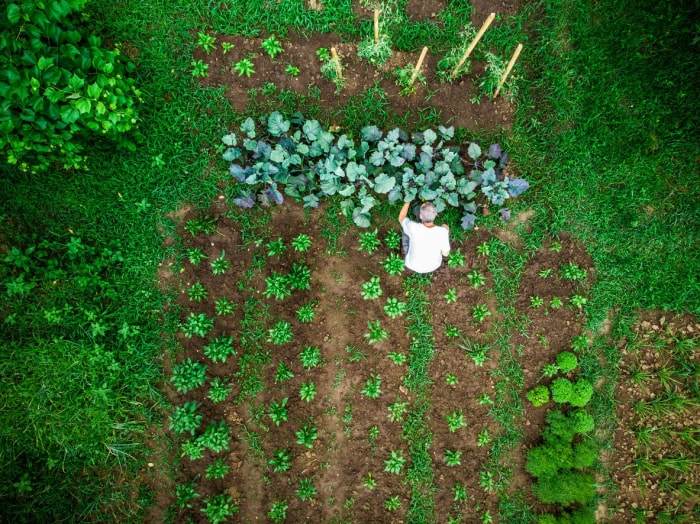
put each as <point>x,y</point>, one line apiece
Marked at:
<point>404,211</point>
<point>447,252</point>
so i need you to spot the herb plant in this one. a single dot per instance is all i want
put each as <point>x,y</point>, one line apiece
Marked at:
<point>397,410</point>
<point>193,449</point>
<point>276,248</point>
<point>219,349</point>
<point>224,306</point>
<point>392,240</point>
<point>397,358</point>
<point>376,53</point>
<point>308,391</point>
<point>185,493</point>
<point>476,278</point>
<point>291,70</point>
<point>280,461</point>
<point>460,493</point>
<point>571,271</point>
<point>244,67</point>
<point>301,243</point>
<point>227,46</point>
<point>216,437</point>
<point>371,289</point>
<point>484,438</point>
<point>188,374</point>
<point>272,46</point>
<point>369,481</point>
<point>277,286</point>
<point>299,277</point>
<point>395,462</point>
<point>451,379</point>
<point>451,295</point>
<point>455,420</point>
<point>536,302</point>
<point>217,470</point>
<point>556,303</point>
<point>578,301</point>
<point>403,79</point>
<point>483,250</point>
<point>185,418</point>
<point>394,308</point>
<point>566,361</point>
<point>480,312</point>
<point>376,333</point>
<point>372,387</point>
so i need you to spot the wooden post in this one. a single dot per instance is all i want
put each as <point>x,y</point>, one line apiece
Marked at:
<point>418,64</point>
<point>376,26</point>
<point>471,47</point>
<point>336,61</point>
<point>508,69</point>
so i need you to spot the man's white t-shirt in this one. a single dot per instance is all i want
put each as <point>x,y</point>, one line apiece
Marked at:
<point>427,244</point>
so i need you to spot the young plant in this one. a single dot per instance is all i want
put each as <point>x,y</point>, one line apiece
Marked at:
<point>495,68</point>
<point>220,349</point>
<point>218,508</point>
<point>206,42</point>
<point>195,255</point>
<point>403,77</point>
<point>280,461</point>
<point>536,302</point>
<point>394,308</point>
<point>393,265</point>
<point>397,358</point>
<point>392,240</point>
<point>199,69</point>
<point>455,420</point>
<point>307,391</point>
<point>369,481</point>
<point>455,259</point>
<point>244,67</point>
<point>306,435</point>
<point>332,69</point>
<point>192,449</point>
<point>188,374</point>
<point>480,312</point>
<point>376,53</point>
<point>278,411</point>
<point>217,470</point>
<point>372,387</point>
<point>555,247</point>
<point>323,54</point>
<point>219,390</point>
<point>484,438</point>
<point>283,373</point>
<point>571,271</point>
<point>483,250</point>
<point>355,354</point>
<point>310,357</point>
<point>185,418</point>
<point>224,306</point>
<point>301,243</point>
<point>566,361</point>
<point>198,325</point>
<point>460,493</point>
<point>306,313</point>
<point>451,295</point>
<point>393,503</point>
<point>197,292</point>
<point>306,490</point>
<point>220,264</point>
<point>227,46</point>
<point>453,458</point>
<point>397,410</point>
<point>476,278</point>
<point>578,301</point>
<point>278,511</point>
<point>281,333</point>
<point>203,224</point>
<point>395,462</point>
<point>277,286</point>
<point>556,303</point>
<point>272,46</point>
<point>549,370</point>
<point>452,331</point>
<point>372,435</point>
<point>299,277</point>
<point>484,399</point>
<point>376,333</point>
<point>451,379</point>
<point>539,395</point>
<point>291,70</point>
<point>544,273</point>
<point>184,493</point>
<point>369,241</point>
<point>276,248</point>
<point>216,437</point>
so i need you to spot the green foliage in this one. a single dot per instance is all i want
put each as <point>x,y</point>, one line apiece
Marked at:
<point>488,83</point>
<point>480,312</point>
<point>447,64</point>
<point>562,390</point>
<point>219,349</point>
<point>556,303</point>
<point>60,86</point>
<point>567,361</point>
<point>197,292</point>
<point>536,302</point>
<point>278,411</point>
<point>277,286</point>
<point>276,248</point>
<point>307,391</point>
<point>394,265</point>
<point>585,454</point>
<point>403,77</point>
<point>217,470</point>
<point>397,410</point>
<point>394,308</point>
<point>369,481</point>
<point>453,457</point>
<point>185,493</point>
<point>281,333</point>
<point>198,324</point>
<point>581,394</point>
<point>219,390</point>
<point>549,370</point>
<point>185,418</point>
<point>539,395</point>
<point>220,264</point>
<point>272,46</point>
<point>397,358</point>
<point>206,42</point>
<point>310,357</point>
<point>484,438</point>
<point>278,511</point>
<point>571,271</point>
<point>455,259</point>
<point>392,239</point>
<point>393,503</point>
<point>451,295</point>
<point>281,461</point>
<point>188,374</point>
<point>216,437</point>
<point>376,53</point>
<point>376,333</point>
<point>395,462</point>
<point>306,490</point>
<point>456,420</point>
<point>202,224</point>
<point>301,243</point>
<point>224,306</point>
<point>306,313</point>
<point>476,278</point>
<point>306,435</point>
<point>565,488</point>
<point>372,387</point>
<point>371,289</point>
<point>299,277</point>
<point>451,379</point>
<point>195,255</point>
<point>244,67</point>
<point>291,70</point>
<point>283,373</point>
<point>369,241</point>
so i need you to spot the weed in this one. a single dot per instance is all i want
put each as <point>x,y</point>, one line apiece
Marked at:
<point>452,331</point>
<point>545,273</point>
<point>356,355</point>
<point>204,224</point>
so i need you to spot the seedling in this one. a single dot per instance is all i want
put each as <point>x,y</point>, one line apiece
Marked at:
<point>392,503</point>
<point>451,380</point>
<point>272,46</point>
<point>310,357</point>
<point>281,333</point>
<point>195,256</point>
<point>369,241</point>
<point>306,313</point>
<point>220,265</point>
<point>372,435</point>
<point>244,67</point>
<point>544,273</point>
<point>306,435</point>
<point>455,259</point>
<point>199,69</point>
<point>476,278</point>
<point>216,437</point>
<point>217,470</point>
<point>224,306</point>
<point>455,420</point>
<point>306,490</point>
<point>197,292</point>
<point>549,370</point>
<point>185,418</point>
<point>192,449</point>
<point>227,46</point>
<point>371,289</point>
<point>276,248</point>
<point>205,224</point>
<point>280,461</point>
<point>394,308</point>
<point>395,462</point>
<point>278,411</point>
<point>397,358</point>
<point>486,518</point>
<point>451,295</point>
<point>578,301</point>
<point>539,395</point>
<point>376,333</point>
<point>484,399</point>
<point>291,70</point>
<point>536,302</point>
<point>556,303</point>
<point>393,265</point>
<point>571,271</point>
<point>323,54</point>
<point>403,77</point>
<point>484,438</point>
<point>397,410</point>
<point>219,390</point>
<point>369,481</point>
<point>198,324</point>
<point>299,277</point>
<point>355,354</point>
<point>283,373</point>
<point>555,247</point>
<point>460,493</point>
<point>219,349</point>
<point>483,250</point>
<point>206,42</point>
<point>278,511</point>
<point>453,457</point>
<point>332,69</point>
<point>452,331</point>
<point>185,493</point>
<point>301,243</point>
<point>392,240</point>
<point>308,391</point>
<point>372,387</point>
<point>480,312</point>
<point>188,374</point>
<point>579,343</point>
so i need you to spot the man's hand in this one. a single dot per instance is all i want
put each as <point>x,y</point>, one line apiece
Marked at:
<point>404,211</point>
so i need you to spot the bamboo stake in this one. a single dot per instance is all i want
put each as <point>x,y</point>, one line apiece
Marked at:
<point>376,26</point>
<point>418,64</point>
<point>471,47</point>
<point>508,69</point>
<point>336,61</point>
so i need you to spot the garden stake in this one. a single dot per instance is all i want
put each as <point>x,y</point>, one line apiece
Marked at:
<point>336,61</point>
<point>508,69</point>
<point>418,64</point>
<point>471,47</point>
<point>376,26</point>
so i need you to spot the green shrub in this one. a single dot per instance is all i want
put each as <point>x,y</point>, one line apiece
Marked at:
<point>565,488</point>
<point>538,395</point>
<point>542,461</point>
<point>585,454</point>
<point>562,390</point>
<point>581,394</point>
<point>62,86</point>
<point>566,361</point>
<point>582,421</point>
<point>547,518</point>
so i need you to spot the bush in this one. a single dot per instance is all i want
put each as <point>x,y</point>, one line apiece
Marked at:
<point>562,390</point>
<point>545,461</point>
<point>65,86</point>
<point>566,361</point>
<point>565,488</point>
<point>581,394</point>
<point>582,421</point>
<point>547,518</point>
<point>538,395</point>
<point>585,454</point>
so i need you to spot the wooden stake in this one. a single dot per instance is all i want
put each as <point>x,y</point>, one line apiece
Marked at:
<point>471,47</point>
<point>418,64</point>
<point>336,61</point>
<point>508,69</point>
<point>376,26</point>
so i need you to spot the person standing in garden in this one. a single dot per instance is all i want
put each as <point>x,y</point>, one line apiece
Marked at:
<point>424,244</point>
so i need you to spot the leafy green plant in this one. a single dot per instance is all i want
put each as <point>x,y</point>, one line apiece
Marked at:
<point>562,390</point>
<point>394,265</point>
<point>227,46</point>
<point>397,410</point>
<point>301,243</point>
<point>219,349</point>
<point>376,333</point>
<point>281,333</point>
<point>306,435</point>
<point>306,490</point>
<point>451,379</point>
<point>483,250</point>
<point>488,83</point>
<point>332,69</point>
<point>220,264</point>
<point>549,370</point>
<point>536,302</point>
<point>453,457</point>
<point>455,259</point>
<point>217,470</point>
<point>455,420</point>
<point>356,355</point>
<point>556,303</point>
<point>392,239</point>
<point>579,344</point>
<point>224,306</point>
<point>281,461</point>
<point>307,391</point>
<point>545,273</point>
<point>397,358</point>
<point>476,278</point>
<point>323,54</point>
<point>195,255</point>
<point>484,399</point>
<point>571,271</point>
<point>206,42</point>
<point>185,418</point>
<point>394,308</point>
<point>188,374</point>
<point>193,449</point>
<point>278,511</point>
<point>299,277</point>
<point>184,493</point>
<point>216,437</point>
<point>276,248</point>
<point>372,387</point>
<point>283,373</point>
<point>393,503</point>
<point>403,76</point>
<point>567,361</point>
<point>202,224</point>
<point>376,53</point>
<point>198,324</point>
<point>197,292</point>
<point>369,241</point>
<point>484,438</point>
<point>578,301</point>
<point>272,46</point>
<point>310,357</point>
<point>306,313</point>
<point>460,493</point>
<point>219,390</point>
<point>449,67</point>
<point>244,67</point>
<point>278,411</point>
<point>480,312</point>
<point>395,462</point>
<point>369,481</point>
<point>452,331</point>
<point>277,286</point>
<point>372,435</point>
<point>581,394</point>
<point>451,295</point>
<point>291,70</point>
<point>199,69</point>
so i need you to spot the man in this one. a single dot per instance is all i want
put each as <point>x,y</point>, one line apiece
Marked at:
<point>424,244</point>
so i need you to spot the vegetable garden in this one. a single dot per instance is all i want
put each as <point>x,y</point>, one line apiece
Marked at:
<point>208,319</point>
